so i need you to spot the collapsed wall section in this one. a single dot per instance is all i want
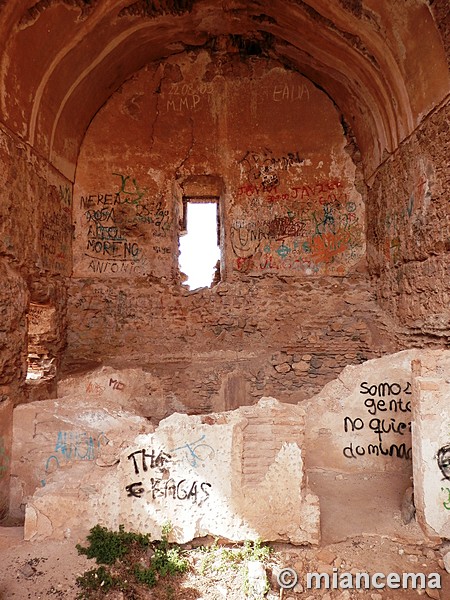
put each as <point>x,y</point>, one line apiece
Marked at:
<point>229,473</point>
<point>200,473</point>
<point>361,422</point>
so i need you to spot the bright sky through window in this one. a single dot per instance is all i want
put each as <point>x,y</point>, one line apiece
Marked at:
<point>199,251</point>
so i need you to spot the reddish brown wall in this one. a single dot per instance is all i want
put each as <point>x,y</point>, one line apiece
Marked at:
<point>12,363</point>
<point>409,232</point>
<point>294,305</point>
<point>36,228</point>
<point>35,254</point>
<point>271,145</point>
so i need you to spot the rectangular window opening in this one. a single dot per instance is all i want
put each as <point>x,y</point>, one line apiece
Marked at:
<point>199,258</point>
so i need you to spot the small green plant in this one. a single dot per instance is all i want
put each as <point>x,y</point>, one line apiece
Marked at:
<point>255,550</point>
<point>108,546</point>
<point>146,576</point>
<point>120,550</point>
<point>95,579</point>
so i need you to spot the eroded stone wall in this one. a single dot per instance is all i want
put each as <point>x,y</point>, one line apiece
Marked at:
<point>35,257</point>
<point>270,336</point>
<point>36,240</point>
<point>12,364</point>
<point>431,439</point>
<point>206,475</point>
<point>409,232</point>
<point>36,228</point>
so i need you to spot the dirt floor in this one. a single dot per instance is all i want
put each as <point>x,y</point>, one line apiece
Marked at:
<point>362,530</point>
<point>49,569</point>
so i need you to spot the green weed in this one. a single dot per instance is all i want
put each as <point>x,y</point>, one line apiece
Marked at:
<point>122,552</point>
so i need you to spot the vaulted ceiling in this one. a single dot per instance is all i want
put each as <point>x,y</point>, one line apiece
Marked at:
<point>383,62</point>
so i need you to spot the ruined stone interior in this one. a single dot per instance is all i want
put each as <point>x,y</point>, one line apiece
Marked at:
<point>320,131</point>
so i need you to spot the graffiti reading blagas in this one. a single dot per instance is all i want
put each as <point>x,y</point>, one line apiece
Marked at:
<point>388,410</point>
<point>152,479</point>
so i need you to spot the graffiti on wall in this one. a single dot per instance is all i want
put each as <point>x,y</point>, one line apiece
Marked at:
<point>290,92</point>
<point>399,219</point>
<point>55,231</point>
<point>73,446</point>
<point>446,503</point>
<point>263,167</point>
<point>300,227</point>
<point>196,452</point>
<point>152,467</point>
<point>187,96</point>
<point>114,223</point>
<point>443,461</point>
<point>388,410</point>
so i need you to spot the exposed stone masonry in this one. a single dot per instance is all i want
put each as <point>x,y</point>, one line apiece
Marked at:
<point>191,341</point>
<point>409,236</point>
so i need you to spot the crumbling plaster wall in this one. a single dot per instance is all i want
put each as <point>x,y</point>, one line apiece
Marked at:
<point>294,305</point>
<point>278,325</point>
<point>35,257</point>
<point>431,448</point>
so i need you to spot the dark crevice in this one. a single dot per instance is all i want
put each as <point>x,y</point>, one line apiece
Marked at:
<point>156,8</point>
<point>35,11</point>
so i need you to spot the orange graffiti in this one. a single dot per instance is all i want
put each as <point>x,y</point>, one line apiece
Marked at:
<point>327,246</point>
<point>94,388</point>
